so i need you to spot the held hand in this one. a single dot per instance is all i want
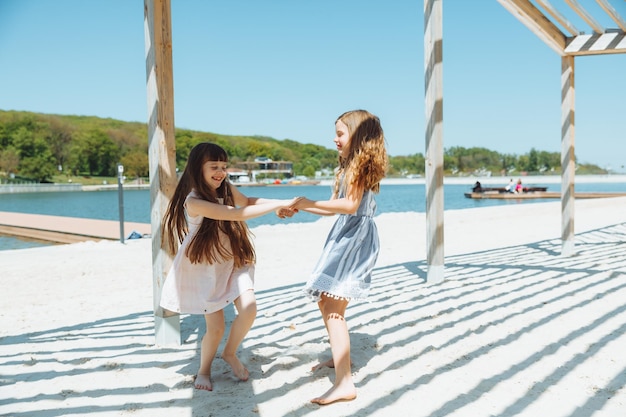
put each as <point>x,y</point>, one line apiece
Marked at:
<point>299,203</point>
<point>295,200</point>
<point>288,210</point>
<point>285,212</point>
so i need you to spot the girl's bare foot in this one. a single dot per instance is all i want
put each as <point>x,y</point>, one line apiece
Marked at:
<point>326,364</point>
<point>203,382</point>
<point>239,370</point>
<point>343,392</point>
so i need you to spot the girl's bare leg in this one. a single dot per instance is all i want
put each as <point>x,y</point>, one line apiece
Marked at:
<point>327,363</point>
<point>246,313</point>
<point>343,389</point>
<point>208,348</point>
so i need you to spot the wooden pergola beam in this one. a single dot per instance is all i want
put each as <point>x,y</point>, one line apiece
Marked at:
<point>600,42</point>
<point>568,162</point>
<point>556,15</point>
<point>537,22</point>
<point>606,43</point>
<point>610,10</point>
<point>433,80</point>
<point>161,152</point>
<point>584,15</point>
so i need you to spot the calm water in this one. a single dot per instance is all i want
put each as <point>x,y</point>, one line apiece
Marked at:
<point>105,205</point>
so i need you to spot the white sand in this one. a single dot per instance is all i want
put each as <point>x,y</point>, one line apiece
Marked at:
<point>514,330</point>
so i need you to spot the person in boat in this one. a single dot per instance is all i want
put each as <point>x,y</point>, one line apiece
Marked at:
<point>510,188</point>
<point>478,188</point>
<point>518,187</point>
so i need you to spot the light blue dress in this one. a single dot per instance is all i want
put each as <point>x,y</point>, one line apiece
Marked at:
<point>344,270</point>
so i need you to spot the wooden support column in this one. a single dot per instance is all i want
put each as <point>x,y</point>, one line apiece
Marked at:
<point>568,166</point>
<point>162,152</point>
<point>433,84</point>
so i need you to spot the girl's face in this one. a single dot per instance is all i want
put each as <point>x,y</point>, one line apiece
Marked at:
<point>214,173</point>
<point>342,138</point>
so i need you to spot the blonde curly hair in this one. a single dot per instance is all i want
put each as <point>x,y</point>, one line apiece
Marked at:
<point>365,164</point>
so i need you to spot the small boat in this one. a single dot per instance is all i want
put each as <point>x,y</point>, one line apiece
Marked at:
<point>542,193</point>
<point>504,190</point>
<point>533,192</point>
<point>478,191</point>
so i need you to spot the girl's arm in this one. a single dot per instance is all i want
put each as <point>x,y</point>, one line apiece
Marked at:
<point>345,205</point>
<point>197,206</point>
<point>319,212</point>
<point>242,200</point>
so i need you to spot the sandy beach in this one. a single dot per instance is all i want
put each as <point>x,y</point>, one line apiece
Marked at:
<point>514,330</point>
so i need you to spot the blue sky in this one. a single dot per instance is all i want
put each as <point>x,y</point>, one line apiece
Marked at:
<point>286,69</point>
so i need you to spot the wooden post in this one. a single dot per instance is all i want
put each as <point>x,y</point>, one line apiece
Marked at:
<point>433,82</point>
<point>162,152</point>
<point>567,155</point>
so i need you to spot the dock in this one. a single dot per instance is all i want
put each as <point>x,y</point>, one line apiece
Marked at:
<point>539,194</point>
<point>61,229</point>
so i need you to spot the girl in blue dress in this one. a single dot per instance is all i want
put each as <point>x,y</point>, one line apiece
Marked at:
<point>344,270</point>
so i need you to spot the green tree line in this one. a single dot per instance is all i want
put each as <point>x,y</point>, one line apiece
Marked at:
<point>42,147</point>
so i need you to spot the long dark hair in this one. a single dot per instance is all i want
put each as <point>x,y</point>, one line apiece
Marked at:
<point>206,245</point>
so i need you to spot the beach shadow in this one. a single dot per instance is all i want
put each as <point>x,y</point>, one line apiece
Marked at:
<point>109,349</point>
<point>507,332</point>
<point>498,314</point>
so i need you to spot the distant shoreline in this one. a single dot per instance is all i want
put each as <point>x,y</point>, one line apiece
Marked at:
<point>469,181</point>
<point>531,179</point>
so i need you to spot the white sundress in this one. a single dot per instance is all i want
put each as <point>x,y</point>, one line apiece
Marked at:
<point>203,288</point>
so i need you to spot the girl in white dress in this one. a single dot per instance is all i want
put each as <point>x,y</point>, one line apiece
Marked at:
<point>344,270</point>
<point>214,265</point>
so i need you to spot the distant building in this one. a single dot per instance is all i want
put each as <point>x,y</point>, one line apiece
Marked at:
<point>260,165</point>
<point>238,176</point>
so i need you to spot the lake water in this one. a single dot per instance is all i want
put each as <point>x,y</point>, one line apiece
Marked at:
<point>105,204</point>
